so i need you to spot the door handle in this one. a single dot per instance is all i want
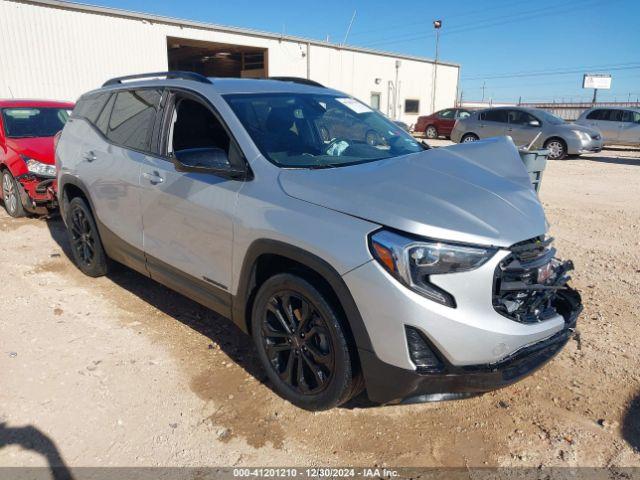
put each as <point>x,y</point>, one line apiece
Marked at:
<point>154,178</point>
<point>90,156</point>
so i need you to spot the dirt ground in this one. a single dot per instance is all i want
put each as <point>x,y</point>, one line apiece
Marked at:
<point>120,371</point>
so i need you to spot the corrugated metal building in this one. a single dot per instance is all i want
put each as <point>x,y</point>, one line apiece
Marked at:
<point>58,50</point>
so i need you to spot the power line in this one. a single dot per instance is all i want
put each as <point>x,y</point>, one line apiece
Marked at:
<point>550,72</point>
<point>511,18</point>
<point>426,23</point>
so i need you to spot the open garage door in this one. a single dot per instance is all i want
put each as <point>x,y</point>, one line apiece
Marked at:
<point>216,59</point>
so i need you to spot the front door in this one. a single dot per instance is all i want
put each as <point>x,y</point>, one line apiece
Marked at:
<point>187,217</point>
<point>523,127</point>
<point>446,121</point>
<point>630,128</point>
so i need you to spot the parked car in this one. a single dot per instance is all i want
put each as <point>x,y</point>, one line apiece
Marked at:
<point>27,130</point>
<point>340,122</point>
<point>619,126</point>
<point>440,124</point>
<point>523,125</point>
<point>391,267</point>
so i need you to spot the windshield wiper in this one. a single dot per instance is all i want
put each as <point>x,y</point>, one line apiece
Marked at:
<point>323,166</point>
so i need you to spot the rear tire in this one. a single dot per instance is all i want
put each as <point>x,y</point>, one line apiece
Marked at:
<point>11,196</point>
<point>431,132</point>
<point>469,137</point>
<point>301,344</point>
<point>86,246</point>
<point>557,148</point>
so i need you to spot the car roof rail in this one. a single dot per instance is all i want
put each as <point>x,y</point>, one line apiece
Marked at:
<point>300,80</point>
<point>196,77</point>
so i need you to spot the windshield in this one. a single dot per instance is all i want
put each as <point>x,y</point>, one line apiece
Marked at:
<point>548,117</point>
<point>27,122</point>
<point>319,131</point>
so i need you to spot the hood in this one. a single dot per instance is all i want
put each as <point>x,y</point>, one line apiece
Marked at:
<point>38,148</point>
<point>473,193</point>
<point>581,128</point>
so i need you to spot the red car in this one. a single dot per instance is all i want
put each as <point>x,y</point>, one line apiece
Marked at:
<point>440,124</point>
<point>27,161</point>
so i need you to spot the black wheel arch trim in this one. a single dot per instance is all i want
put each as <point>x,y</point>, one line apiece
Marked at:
<point>247,280</point>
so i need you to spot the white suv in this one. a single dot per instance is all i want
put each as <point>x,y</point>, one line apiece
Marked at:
<point>353,263</point>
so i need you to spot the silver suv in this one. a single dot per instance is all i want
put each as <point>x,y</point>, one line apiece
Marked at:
<point>524,125</point>
<point>354,264</point>
<point>619,126</point>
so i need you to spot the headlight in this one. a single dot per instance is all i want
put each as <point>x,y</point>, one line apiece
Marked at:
<point>412,261</point>
<point>583,136</point>
<point>39,168</point>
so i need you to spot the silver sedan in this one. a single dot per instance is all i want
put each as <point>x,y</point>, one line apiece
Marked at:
<point>524,125</point>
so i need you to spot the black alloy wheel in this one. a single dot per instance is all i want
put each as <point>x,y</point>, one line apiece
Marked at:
<point>297,342</point>
<point>86,247</point>
<point>300,337</point>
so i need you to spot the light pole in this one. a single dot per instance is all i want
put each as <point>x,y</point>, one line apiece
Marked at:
<point>437,24</point>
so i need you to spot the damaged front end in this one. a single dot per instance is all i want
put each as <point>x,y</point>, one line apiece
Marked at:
<point>38,194</point>
<point>530,284</point>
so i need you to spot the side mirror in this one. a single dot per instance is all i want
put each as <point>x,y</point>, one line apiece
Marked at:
<point>534,123</point>
<point>206,160</point>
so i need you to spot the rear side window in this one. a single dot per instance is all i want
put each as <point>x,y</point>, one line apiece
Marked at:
<point>132,118</point>
<point>494,116</point>
<point>632,117</point>
<point>615,116</point>
<point>447,114</point>
<point>90,106</point>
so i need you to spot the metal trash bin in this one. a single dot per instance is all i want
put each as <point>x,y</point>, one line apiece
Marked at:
<point>535,161</point>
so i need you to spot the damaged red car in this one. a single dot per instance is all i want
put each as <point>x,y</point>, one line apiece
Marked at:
<point>27,160</point>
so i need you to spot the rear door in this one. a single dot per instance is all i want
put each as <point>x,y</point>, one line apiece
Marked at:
<point>116,188</point>
<point>630,128</point>
<point>188,217</point>
<point>492,123</point>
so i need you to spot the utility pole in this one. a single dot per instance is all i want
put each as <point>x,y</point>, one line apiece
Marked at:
<point>437,24</point>
<point>484,86</point>
<point>595,96</point>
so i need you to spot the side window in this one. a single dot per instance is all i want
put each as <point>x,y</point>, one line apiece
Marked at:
<point>595,115</point>
<point>496,116</point>
<point>463,114</point>
<point>411,106</point>
<point>102,123</point>
<point>447,114</point>
<point>633,117</point>
<point>518,117</point>
<point>615,115</point>
<point>194,126</point>
<point>90,106</point>
<point>132,118</point>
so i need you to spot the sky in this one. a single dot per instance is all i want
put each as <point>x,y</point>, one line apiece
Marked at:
<point>531,50</point>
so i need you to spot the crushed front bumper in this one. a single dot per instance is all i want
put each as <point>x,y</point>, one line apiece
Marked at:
<point>388,384</point>
<point>38,194</point>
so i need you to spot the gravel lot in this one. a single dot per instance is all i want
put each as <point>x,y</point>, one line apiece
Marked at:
<point>120,371</point>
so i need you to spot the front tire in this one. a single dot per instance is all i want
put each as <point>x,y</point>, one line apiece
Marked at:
<point>431,132</point>
<point>557,148</point>
<point>86,246</point>
<point>301,344</point>
<point>11,196</point>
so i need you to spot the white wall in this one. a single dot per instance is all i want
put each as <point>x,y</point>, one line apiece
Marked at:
<point>59,53</point>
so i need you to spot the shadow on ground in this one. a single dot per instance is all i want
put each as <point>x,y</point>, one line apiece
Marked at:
<point>631,423</point>
<point>222,331</point>
<point>30,438</point>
